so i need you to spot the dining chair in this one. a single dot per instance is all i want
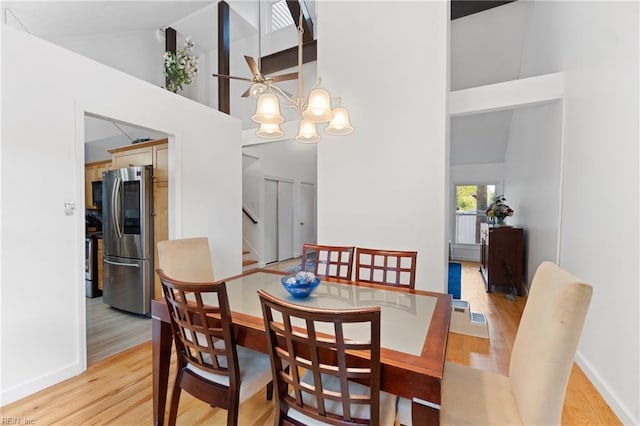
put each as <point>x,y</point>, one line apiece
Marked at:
<point>328,261</point>
<point>210,366</point>
<point>389,267</point>
<point>541,361</point>
<point>186,259</point>
<point>323,365</point>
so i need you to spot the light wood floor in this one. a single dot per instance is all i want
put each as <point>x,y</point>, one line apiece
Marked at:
<point>110,331</point>
<point>117,391</point>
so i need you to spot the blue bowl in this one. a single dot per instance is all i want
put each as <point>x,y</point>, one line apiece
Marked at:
<point>299,288</point>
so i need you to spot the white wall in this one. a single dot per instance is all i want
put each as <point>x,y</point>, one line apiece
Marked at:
<point>596,45</point>
<point>483,173</point>
<point>287,160</point>
<point>386,185</point>
<point>136,53</point>
<point>532,180</point>
<point>45,95</point>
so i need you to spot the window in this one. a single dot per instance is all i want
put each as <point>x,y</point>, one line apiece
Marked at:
<point>471,207</point>
<point>279,16</point>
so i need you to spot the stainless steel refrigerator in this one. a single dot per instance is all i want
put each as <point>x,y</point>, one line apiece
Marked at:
<point>127,231</point>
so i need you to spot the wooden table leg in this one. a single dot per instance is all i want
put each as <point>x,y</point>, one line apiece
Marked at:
<point>424,415</point>
<point>161,340</point>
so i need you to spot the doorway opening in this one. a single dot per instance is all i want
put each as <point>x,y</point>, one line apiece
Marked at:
<point>109,330</point>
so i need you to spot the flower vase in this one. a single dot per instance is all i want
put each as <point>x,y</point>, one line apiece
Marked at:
<point>501,221</point>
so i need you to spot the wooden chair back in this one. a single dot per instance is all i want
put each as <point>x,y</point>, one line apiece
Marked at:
<point>295,341</point>
<point>328,261</point>
<point>395,268</point>
<point>204,339</point>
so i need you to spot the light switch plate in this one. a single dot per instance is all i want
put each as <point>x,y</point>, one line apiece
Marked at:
<point>69,208</point>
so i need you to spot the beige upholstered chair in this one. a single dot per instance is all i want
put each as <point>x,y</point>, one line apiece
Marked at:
<point>187,259</point>
<point>541,361</point>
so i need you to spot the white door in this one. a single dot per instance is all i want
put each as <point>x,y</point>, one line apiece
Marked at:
<point>270,221</point>
<point>278,220</point>
<point>285,220</point>
<point>307,213</point>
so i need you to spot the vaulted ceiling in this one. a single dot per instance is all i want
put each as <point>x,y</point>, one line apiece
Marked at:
<point>486,45</point>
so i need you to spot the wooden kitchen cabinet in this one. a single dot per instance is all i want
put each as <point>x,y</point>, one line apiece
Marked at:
<point>137,158</point>
<point>152,153</point>
<point>156,154</point>
<point>160,233</point>
<point>93,172</point>
<point>502,257</point>
<point>100,273</point>
<point>161,163</point>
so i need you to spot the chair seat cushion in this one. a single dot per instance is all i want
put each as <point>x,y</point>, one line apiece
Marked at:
<point>255,372</point>
<point>387,402</point>
<point>476,397</point>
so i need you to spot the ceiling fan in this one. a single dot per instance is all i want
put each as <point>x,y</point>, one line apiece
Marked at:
<point>259,82</point>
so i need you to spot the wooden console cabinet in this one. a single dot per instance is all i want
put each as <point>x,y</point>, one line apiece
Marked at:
<point>502,257</point>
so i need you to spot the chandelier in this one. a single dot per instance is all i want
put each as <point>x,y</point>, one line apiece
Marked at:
<point>314,110</point>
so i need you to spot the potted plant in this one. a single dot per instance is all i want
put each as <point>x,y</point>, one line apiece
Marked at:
<point>181,67</point>
<point>499,210</point>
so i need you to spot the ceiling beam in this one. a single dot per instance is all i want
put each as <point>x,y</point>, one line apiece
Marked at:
<point>307,24</point>
<point>288,58</point>
<point>461,8</point>
<point>170,45</point>
<point>224,43</point>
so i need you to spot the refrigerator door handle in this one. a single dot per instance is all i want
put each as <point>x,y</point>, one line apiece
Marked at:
<point>133,265</point>
<point>115,205</point>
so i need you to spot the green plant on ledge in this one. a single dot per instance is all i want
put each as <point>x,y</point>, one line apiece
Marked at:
<point>181,67</point>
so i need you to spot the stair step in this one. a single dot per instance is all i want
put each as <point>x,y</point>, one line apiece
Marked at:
<point>245,252</point>
<point>247,262</point>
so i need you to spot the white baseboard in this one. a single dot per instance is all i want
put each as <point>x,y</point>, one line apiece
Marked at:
<point>25,389</point>
<point>624,414</point>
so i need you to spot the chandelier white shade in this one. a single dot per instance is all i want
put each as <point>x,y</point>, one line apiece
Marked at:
<point>318,107</point>
<point>339,124</point>
<point>270,131</point>
<point>268,110</point>
<point>307,132</point>
<point>315,109</point>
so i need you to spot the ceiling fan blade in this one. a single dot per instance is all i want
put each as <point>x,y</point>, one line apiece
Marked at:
<point>254,68</point>
<point>283,77</point>
<point>231,77</point>
<point>246,92</point>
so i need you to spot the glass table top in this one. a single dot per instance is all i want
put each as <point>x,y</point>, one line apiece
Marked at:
<point>405,317</point>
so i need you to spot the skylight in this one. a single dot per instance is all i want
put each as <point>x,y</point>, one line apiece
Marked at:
<point>280,16</point>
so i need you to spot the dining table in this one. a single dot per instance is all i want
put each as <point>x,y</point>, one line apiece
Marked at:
<point>414,329</point>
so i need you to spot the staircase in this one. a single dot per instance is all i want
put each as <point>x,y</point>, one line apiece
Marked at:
<point>463,321</point>
<point>248,263</point>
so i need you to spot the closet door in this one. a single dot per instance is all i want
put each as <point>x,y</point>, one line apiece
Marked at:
<point>270,221</point>
<point>285,220</point>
